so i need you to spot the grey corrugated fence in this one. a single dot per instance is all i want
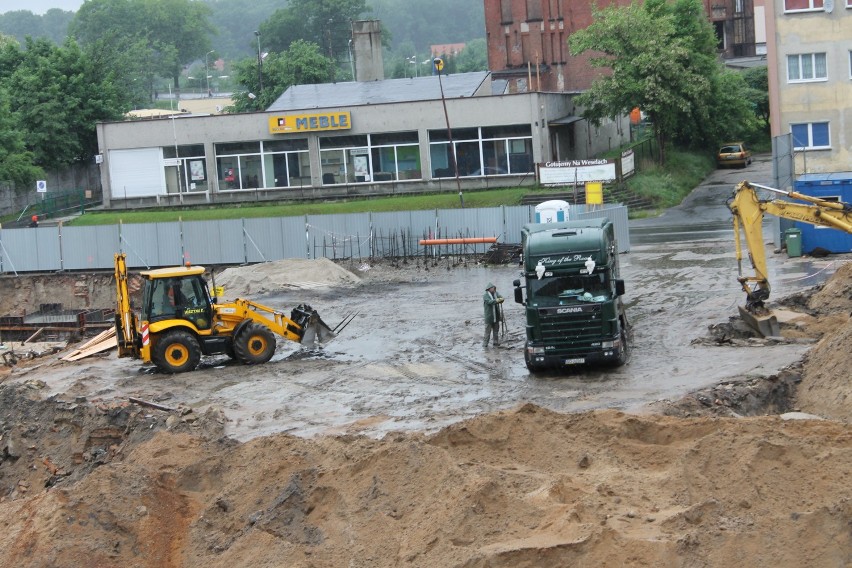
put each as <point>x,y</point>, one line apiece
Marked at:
<point>241,241</point>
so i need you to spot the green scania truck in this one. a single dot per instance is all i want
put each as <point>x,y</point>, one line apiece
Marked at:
<point>574,311</point>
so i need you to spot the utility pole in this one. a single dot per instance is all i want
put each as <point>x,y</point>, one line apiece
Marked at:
<point>259,65</point>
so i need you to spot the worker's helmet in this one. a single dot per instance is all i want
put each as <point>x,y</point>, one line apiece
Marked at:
<point>35,217</point>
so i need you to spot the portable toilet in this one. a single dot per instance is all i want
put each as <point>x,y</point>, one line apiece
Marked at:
<point>553,211</point>
<point>835,186</point>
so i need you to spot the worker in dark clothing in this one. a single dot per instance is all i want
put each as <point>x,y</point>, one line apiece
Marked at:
<point>491,302</point>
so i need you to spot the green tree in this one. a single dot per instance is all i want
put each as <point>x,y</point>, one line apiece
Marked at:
<point>662,59</point>
<point>18,166</point>
<point>474,56</point>
<point>165,34</point>
<point>302,64</point>
<point>57,95</point>
<point>757,81</point>
<point>326,23</point>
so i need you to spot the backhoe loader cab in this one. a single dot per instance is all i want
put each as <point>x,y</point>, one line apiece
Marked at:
<point>179,322</point>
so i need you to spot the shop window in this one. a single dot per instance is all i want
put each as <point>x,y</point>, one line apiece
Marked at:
<point>811,136</point>
<point>286,163</point>
<point>498,150</point>
<point>371,158</point>
<point>185,168</point>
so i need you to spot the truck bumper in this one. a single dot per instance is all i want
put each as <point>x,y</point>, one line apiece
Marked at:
<point>537,357</point>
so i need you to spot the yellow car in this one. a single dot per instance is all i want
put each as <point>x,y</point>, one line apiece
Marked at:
<point>733,154</point>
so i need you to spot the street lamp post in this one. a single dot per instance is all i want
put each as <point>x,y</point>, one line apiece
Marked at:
<point>259,65</point>
<point>207,71</point>
<point>439,66</point>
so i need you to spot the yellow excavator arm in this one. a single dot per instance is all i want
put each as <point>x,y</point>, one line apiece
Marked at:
<point>125,318</point>
<point>748,211</point>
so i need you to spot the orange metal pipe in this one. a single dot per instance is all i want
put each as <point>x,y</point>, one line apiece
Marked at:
<point>462,241</point>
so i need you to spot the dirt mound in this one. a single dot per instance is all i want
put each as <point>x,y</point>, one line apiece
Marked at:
<point>826,386</point>
<point>271,277</point>
<point>526,487</point>
<point>113,481</point>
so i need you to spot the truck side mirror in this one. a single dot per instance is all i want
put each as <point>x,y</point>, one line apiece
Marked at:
<point>519,296</point>
<point>619,287</point>
<point>516,283</point>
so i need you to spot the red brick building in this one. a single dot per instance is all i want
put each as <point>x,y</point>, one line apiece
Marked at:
<point>528,39</point>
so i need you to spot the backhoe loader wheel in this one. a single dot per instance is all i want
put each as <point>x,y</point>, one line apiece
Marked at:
<point>176,352</point>
<point>254,345</point>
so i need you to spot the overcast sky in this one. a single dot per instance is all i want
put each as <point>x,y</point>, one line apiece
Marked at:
<point>39,6</point>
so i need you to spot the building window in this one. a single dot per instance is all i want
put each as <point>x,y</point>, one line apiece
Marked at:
<point>370,158</point>
<point>802,5</point>
<point>186,168</point>
<point>811,136</point>
<point>487,151</point>
<point>505,11</point>
<point>533,10</point>
<point>738,6</point>
<point>256,165</point>
<point>806,67</point>
<point>286,163</point>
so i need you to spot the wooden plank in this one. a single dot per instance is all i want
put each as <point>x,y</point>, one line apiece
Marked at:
<point>33,336</point>
<point>102,346</point>
<point>101,342</point>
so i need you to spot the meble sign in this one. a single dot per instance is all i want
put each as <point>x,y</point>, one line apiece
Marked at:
<point>310,122</point>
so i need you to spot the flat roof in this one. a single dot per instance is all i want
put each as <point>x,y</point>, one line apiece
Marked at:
<point>360,93</point>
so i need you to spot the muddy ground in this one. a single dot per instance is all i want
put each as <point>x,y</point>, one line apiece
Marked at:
<point>403,442</point>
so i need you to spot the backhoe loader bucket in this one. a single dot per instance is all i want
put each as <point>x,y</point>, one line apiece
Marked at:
<point>314,330</point>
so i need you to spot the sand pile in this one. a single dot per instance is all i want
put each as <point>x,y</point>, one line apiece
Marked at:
<point>836,294</point>
<point>272,277</point>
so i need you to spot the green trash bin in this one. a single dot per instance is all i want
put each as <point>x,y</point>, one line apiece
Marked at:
<point>793,241</point>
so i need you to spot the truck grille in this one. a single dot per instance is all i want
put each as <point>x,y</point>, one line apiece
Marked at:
<point>571,330</point>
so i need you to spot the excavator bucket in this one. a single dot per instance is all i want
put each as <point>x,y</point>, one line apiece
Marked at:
<point>765,323</point>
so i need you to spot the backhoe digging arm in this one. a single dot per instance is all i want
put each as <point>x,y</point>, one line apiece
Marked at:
<point>748,211</point>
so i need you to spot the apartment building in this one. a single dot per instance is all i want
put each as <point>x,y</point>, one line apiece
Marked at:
<point>809,54</point>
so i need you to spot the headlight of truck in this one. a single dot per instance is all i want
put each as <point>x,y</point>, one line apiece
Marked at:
<point>534,350</point>
<point>611,344</point>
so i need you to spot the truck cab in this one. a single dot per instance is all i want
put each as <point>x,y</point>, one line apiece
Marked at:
<point>574,312</point>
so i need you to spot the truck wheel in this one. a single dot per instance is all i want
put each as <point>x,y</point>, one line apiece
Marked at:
<point>176,352</point>
<point>254,345</point>
<point>624,356</point>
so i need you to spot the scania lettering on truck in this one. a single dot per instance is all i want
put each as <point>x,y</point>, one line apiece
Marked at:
<point>574,311</point>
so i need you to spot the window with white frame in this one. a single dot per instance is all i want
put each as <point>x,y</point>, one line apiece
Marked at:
<point>367,158</point>
<point>263,164</point>
<point>485,151</point>
<point>803,5</point>
<point>805,67</point>
<point>811,136</point>
<point>190,173</point>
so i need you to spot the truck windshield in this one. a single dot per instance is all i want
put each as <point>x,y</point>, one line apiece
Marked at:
<point>557,289</point>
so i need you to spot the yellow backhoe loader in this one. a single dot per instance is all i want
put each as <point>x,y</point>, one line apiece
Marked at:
<point>179,321</point>
<point>748,210</point>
